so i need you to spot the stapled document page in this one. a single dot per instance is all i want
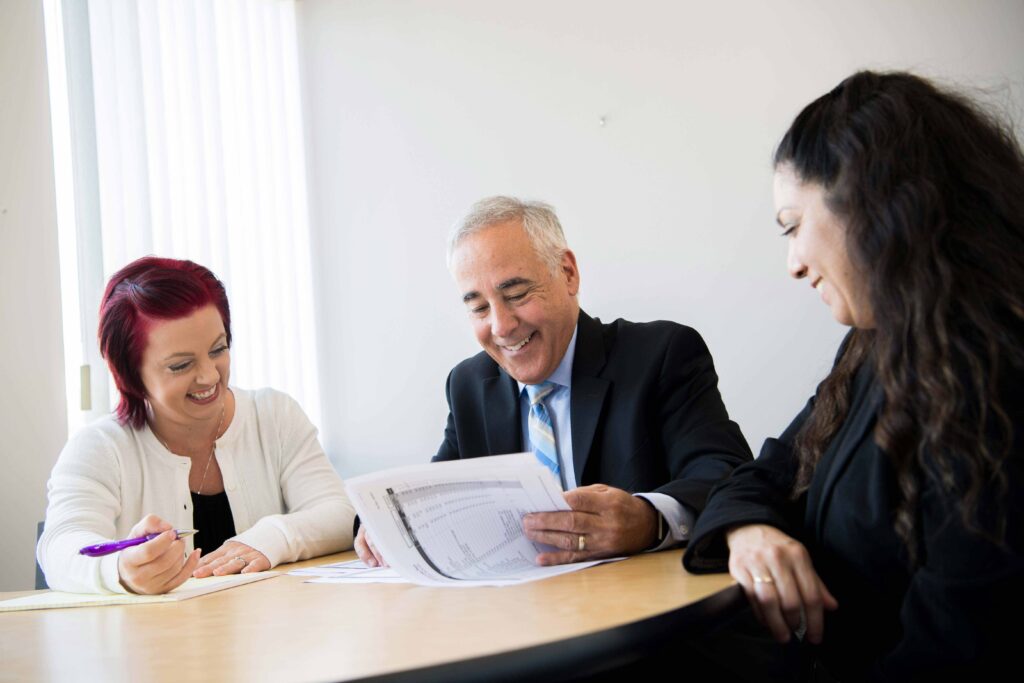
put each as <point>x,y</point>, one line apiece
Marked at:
<point>459,523</point>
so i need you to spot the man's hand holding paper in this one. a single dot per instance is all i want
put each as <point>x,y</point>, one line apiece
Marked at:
<point>604,522</point>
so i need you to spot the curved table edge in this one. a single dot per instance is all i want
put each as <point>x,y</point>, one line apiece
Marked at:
<point>581,656</point>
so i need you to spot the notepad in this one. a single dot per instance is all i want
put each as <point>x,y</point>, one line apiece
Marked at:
<point>190,589</point>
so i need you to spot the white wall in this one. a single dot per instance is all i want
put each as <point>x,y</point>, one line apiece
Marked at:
<point>32,413</point>
<point>416,109</point>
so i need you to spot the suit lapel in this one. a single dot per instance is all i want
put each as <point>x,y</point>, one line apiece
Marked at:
<point>501,415</point>
<point>588,390</point>
<point>859,426</point>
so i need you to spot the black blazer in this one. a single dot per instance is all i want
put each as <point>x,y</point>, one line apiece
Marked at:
<point>943,618</point>
<point>645,410</point>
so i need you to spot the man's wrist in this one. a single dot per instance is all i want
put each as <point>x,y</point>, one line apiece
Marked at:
<point>658,529</point>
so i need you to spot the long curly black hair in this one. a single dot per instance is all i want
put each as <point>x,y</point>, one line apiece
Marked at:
<point>930,189</point>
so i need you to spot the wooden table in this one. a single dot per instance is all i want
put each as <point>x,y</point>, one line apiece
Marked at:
<point>284,630</point>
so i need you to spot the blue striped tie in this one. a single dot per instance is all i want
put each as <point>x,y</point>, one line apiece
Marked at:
<point>541,432</point>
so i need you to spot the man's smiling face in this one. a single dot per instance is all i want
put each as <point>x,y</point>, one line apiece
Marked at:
<point>522,313</point>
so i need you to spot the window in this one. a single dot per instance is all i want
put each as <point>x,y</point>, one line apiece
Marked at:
<point>178,132</point>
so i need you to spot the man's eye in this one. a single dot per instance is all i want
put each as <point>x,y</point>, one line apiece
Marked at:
<point>789,229</point>
<point>478,310</point>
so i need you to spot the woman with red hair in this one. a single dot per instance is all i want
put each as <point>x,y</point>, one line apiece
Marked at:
<point>185,451</point>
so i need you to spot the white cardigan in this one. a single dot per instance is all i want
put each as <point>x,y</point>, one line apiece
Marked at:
<point>286,499</point>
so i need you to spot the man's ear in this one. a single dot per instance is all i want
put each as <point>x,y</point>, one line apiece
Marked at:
<point>570,271</point>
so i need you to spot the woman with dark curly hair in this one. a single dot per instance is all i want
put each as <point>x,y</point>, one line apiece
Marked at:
<point>884,525</point>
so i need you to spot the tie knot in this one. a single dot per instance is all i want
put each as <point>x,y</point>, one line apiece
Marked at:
<point>538,392</point>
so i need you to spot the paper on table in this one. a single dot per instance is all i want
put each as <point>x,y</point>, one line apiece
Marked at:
<point>352,571</point>
<point>190,589</point>
<point>459,523</point>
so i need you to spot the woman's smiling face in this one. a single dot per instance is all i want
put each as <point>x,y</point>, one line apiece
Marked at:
<point>185,367</point>
<point>817,248</point>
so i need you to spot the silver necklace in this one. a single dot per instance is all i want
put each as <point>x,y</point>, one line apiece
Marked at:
<point>213,448</point>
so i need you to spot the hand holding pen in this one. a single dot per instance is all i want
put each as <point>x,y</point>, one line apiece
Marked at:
<point>158,565</point>
<point>110,547</point>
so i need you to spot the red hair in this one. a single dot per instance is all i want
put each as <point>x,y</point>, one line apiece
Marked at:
<point>147,290</point>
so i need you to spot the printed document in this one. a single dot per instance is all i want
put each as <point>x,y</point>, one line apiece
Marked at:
<point>459,523</point>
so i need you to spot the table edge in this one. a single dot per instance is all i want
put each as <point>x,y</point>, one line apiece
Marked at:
<point>584,655</point>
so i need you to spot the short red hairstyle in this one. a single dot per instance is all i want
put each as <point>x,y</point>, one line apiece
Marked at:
<point>147,290</point>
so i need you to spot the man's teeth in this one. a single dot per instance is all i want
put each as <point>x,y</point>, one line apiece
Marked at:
<point>520,344</point>
<point>206,394</point>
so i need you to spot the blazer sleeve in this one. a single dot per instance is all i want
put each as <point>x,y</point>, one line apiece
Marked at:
<point>701,443</point>
<point>756,493</point>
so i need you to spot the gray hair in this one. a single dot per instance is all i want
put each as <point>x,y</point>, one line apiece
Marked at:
<point>537,218</point>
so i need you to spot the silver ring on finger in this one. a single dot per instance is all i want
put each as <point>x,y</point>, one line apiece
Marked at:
<point>239,558</point>
<point>581,543</point>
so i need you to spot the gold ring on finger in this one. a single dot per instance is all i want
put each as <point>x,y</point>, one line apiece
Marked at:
<point>763,579</point>
<point>581,543</point>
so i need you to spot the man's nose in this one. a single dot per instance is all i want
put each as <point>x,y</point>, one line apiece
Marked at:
<point>503,321</point>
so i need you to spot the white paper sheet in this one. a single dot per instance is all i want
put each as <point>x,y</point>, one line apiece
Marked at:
<point>353,571</point>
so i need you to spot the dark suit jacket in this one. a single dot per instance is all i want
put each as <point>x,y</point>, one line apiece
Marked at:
<point>644,405</point>
<point>940,619</point>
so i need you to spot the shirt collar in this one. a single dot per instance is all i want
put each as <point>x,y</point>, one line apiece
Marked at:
<point>562,376</point>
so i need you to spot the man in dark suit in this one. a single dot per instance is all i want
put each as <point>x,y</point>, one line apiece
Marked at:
<point>627,415</point>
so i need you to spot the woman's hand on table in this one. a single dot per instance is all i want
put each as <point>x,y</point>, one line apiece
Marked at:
<point>232,558</point>
<point>778,577</point>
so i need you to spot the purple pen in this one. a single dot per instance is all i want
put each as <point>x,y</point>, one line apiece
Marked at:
<point>113,546</point>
